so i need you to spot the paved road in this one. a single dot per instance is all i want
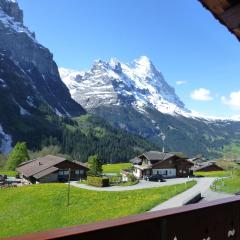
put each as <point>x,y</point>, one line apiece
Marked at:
<point>141,185</point>
<point>202,186</point>
<point>210,195</point>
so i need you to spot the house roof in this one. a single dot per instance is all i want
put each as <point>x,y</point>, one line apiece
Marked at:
<point>227,12</point>
<point>143,167</point>
<point>204,165</point>
<point>45,172</point>
<point>85,165</point>
<point>136,160</point>
<point>37,165</point>
<point>155,155</point>
<point>43,166</point>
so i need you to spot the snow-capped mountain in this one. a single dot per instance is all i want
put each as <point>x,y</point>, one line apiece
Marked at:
<point>135,97</point>
<point>139,84</point>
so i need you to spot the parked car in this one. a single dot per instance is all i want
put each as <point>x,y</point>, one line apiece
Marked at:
<point>155,178</point>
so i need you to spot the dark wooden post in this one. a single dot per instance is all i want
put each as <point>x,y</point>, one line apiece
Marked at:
<point>69,178</point>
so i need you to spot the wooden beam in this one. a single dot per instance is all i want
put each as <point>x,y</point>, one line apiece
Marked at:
<point>232,17</point>
<point>216,6</point>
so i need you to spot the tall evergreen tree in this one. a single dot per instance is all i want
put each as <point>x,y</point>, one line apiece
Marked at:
<point>18,155</point>
<point>95,165</point>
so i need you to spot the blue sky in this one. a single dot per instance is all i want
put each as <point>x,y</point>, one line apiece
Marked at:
<point>182,39</point>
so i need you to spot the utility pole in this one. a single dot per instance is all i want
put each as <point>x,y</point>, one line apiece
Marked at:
<point>162,135</point>
<point>69,178</point>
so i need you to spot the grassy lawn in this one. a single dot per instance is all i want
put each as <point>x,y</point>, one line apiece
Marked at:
<point>228,185</point>
<point>213,174</point>
<point>125,184</point>
<point>116,167</point>
<point>8,173</point>
<point>42,207</point>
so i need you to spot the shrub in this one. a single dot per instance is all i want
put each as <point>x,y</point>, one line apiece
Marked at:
<point>115,179</point>
<point>131,178</point>
<point>98,181</point>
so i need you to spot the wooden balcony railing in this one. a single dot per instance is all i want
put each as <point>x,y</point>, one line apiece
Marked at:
<point>217,220</point>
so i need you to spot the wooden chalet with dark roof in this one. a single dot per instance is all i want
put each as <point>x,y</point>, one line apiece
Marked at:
<point>51,169</point>
<point>168,165</point>
<point>207,167</point>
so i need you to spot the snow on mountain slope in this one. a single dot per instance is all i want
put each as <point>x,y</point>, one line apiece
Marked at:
<point>5,142</point>
<point>16,26</point>
<point>138,84</point>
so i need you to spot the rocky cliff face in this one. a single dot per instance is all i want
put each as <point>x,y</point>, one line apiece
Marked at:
<point>34,59</point>
<point>30,85</point>
<point>11,8</point>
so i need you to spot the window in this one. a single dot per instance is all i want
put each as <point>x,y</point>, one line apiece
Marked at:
<point>64,172</point>
<point>79,172</point>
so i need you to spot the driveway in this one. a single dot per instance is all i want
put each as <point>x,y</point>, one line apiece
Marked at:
<point>203,185</point>
<point>141,185</point>
<point>210,195</point>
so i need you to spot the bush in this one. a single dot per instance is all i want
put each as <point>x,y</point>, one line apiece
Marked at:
<point>115,179</point>
<point>98,181</point>
<point>131,178</point>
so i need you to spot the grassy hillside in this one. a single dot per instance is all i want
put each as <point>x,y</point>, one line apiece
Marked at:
<point>41,207</point>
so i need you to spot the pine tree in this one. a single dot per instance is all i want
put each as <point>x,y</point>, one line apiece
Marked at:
<point>18,155</point>
<point>95,165</point>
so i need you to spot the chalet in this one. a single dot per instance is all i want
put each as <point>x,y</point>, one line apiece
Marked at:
<point>207,167</point>
<point>51,169</point>
<point>167,164</point>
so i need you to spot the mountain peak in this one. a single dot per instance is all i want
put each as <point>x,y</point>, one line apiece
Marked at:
<point>114,83</point>
<point>143,60</point>
<point>11,8</point>
<point>144,66</point>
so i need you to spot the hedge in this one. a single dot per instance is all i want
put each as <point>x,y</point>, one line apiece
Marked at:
<point>98,181</point>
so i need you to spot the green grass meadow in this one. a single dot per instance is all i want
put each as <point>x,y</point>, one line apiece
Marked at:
<point>41,207</point>
<point>228,185</point>
<point>8,173</point>
<point>116,167</point>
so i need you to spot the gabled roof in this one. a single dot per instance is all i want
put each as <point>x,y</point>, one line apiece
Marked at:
<point>227,12</point>
<point>45,172</point>
<point>135,160</point>
<point>157,156</point>
<point>205,165</point>
<point>85,165</point>
<point>38,165</point>
<point>43,166</point>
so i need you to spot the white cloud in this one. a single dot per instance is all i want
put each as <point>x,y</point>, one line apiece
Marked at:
<point>201,94</point>
<point>233,100</point>
<point>181,82</point>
